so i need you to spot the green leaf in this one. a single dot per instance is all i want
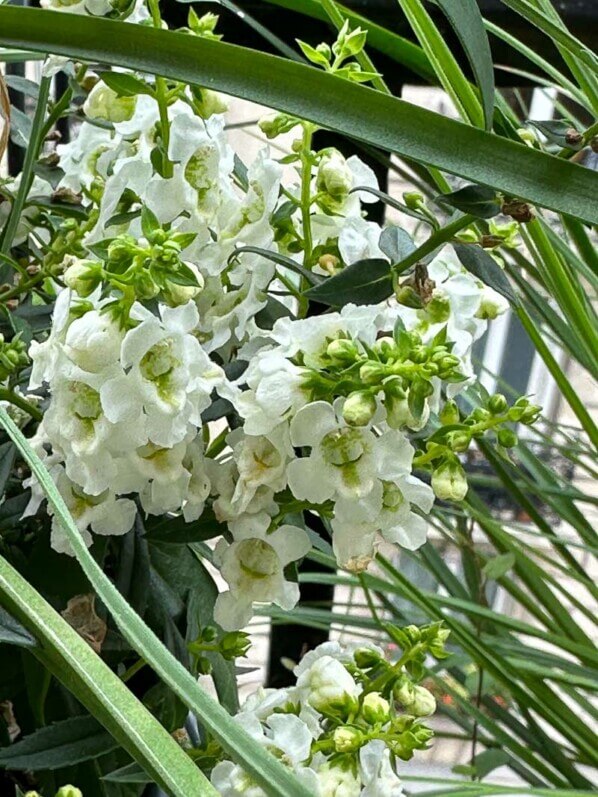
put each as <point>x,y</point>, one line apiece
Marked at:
<point>387,122</point>
<point>477,200</point>
<point>312,54</point>
<point>149,221</point>
<point>499,566</point>
<point>13,633</point>
<point>126,85</point>
<point>236,741</point>
<point>483,266</point>
<point>70,659</point>
<point>61,744</point>
<point>396,243</point>
<point>467,22</point>
<point>363,282</point>
<point>22,85</point>
<point>131,773</point>
<point>489,760</point>
<point>555,131</point>
<point>183,276</point>
<point>178,530</point>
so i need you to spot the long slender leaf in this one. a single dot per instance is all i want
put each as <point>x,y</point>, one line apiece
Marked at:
<point>268,772</point>
<point>365,114</point>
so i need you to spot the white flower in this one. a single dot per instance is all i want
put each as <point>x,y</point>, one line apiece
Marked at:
<point>253,566</point>
<point>336,782</point>
<point>378,776</point>
<point>231,781</point>
<point>326,682</point>
<point>169,379</point>
<point>104,514</point>
<point>261,463</point>
<point>93,341</point>
<point>342,460</point>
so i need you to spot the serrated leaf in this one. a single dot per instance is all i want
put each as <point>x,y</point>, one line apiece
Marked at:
<point>363,282</point>
<point>499,566</point>
<point>126,85</point>
<point>396,243</point>
<point>61,744</point>
<point>477,200</point>
<point>483,266</point>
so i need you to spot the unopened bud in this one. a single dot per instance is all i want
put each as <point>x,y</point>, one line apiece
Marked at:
<point>497,404</point>
<point>342,351</point>
<point>104,103</point>
<point>347,739</point>
<point>359,408</point>
<point>375,708</point>
<point>458,441</point>
<point>413,199</point>
<point>527,136</point>
<point>365,658</point>
<point>69,791</point>
<point>424,702</point>
<point>83,276</point>
<point>371,373</point>
<point>409,297</point>
<point>334,177</point>
<point>449,481</point>
<point>330,264</point>
<point>449,414</point>
<point>385,348</point>
<point>506,438</point>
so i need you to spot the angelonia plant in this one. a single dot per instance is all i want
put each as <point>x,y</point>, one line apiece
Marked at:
<point>234,348</point>
<point>349,718</point>
<point>185,372</point>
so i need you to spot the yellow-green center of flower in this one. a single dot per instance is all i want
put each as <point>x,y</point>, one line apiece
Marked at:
<point>257,559</point>
<point>86,402</point>
<point>343,447</point>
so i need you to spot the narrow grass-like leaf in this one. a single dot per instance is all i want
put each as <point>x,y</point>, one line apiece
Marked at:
<point>275,778</point>
<point>362,113</point>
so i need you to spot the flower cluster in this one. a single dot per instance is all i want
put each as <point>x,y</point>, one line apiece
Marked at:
<point>349,719</point>
<point>186,372</point>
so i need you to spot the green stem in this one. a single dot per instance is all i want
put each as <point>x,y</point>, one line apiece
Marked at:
<point>22,287</point>
<point>35,142</point>
<point>306,193</point>
<point>440,237</point>
<point>161,95</point>
<point>6,394</point>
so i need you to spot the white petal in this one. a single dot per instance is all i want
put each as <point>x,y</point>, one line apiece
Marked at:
<point>307,483</point>
<point>290,543</point>
<point>232,612</point>
<point>412,535</point>
<point>312,423</point>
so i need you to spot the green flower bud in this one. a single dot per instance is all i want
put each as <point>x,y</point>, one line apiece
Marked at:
<point>527,136</point>
<point>449,414</point>
<point>274,125</point>
<point>347,739</point>
<point>385,348</point>
<point>83,276</point>
<point>424,702</point>
<point>334,177</point>
<point>145,287</point>
<point>404,692</point>
<point>506,438</point>
<point>498,404</point>
<point>480,414</point>
<point>419,354</point>
<point>69,791</point>
<point>449,481</point>
<point>413,199</point>
<point>359,408</point>
<point>375,708</point>
<point>459,440</point>
<point>342,351</point>
<point>372,373</point>
<point>122,249</point>
<point>104,103</point>
<point>409,297</point>
<point>365,658</point>
<point>234,645</point>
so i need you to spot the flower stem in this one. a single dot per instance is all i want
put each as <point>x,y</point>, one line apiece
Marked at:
<point>6,394</point>
<point>440,237</point>
<point>161,96</point>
